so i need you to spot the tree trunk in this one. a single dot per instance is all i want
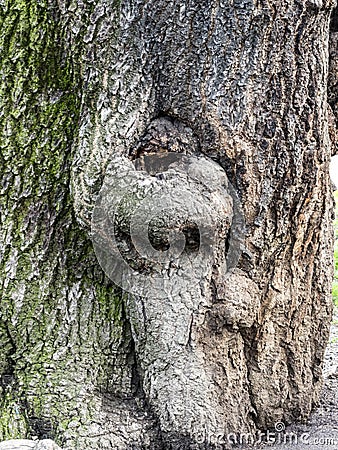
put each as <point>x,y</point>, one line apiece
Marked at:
<point>333,80</point>
<point>237,87</point>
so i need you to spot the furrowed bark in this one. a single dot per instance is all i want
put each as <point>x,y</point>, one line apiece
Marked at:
<point>274,147</point>
<point>62,322</point>
<point>247,82</point>
<point>332,79</point>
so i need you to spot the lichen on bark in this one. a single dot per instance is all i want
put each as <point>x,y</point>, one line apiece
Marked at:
<point>61,321</point>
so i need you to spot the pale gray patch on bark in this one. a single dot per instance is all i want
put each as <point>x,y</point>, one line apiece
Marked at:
<point>137,228</point>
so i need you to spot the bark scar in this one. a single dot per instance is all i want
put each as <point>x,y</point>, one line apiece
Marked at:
<point>163,222</point>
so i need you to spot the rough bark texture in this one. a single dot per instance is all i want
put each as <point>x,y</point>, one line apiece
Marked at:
<point>62,323</point>
<point>245,83</point>
<point>333,80</point>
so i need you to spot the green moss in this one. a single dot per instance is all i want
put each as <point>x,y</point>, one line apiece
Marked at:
<point>13,423</point>
<point>335,292</point>
<point>55,296</point>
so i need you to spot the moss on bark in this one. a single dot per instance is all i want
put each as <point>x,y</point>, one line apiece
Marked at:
<point>57,310</point>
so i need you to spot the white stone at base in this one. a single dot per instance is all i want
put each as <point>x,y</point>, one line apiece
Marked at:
<point>26,444</point>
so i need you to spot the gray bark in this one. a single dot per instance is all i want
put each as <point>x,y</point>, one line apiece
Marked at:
<point>333,80</point>
<point>242,84</point>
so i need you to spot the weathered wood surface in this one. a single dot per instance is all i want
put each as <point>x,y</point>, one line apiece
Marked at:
<point>84,82</point>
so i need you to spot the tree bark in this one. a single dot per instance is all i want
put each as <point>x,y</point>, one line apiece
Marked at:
<point>242,84</point>
<point>332,79</point>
